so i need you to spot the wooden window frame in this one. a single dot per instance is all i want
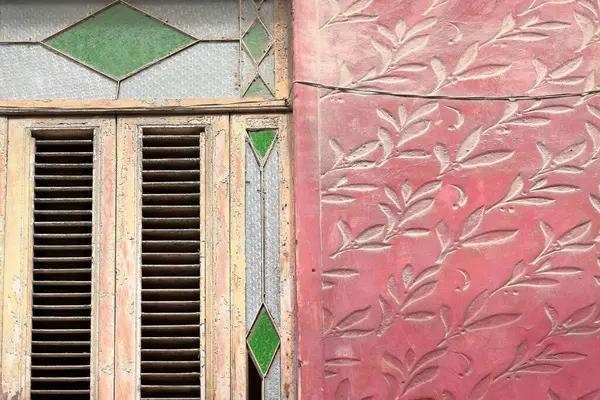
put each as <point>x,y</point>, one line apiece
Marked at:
<point>116,370</point>
<point>17,262</point>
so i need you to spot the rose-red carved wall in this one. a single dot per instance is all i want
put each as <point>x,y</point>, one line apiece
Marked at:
<point>448,242</point>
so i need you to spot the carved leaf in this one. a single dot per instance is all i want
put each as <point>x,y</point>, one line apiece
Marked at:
<point>363,151</point>
<point>415,232</point>
<point>472,222</point>
<point>595,202</point>
<point>518,271</point>
<point>370,234</point>
<point>520,353</point>
<point>337,149</point>
<point>569,153</point>
<point>559,189</point>
<point>566,68</point>
<point>419,316</point>
<point>388,117</point>
<point>552,109</point>
<point>393,362</point>
<point>402,115</point>
<point>327,320</point>
<point>541,369</point>
<point>343,390</point>
<point>387,318</point>
<point>345,231</point>
<point>415,130</point>
<point>420,293</point>
<point>439,69</point>
<point>423,111</point>
<point>341,362</point>
<point>408,274</point>
<point>532,201</point>
<point>570,81</point>
<point>493,321</point>
<point>421,26</point>
<point>409,358</point>
<point>427,375</point>
<point>509,111</point>
<point>417,209</point>
<point>384,52</point>
<point>594,111</point>
<point>358,6</point>
<point>466,59</point>
<point>390,215</point>
<point>443,156</point>
<point>387,33</point>
<point>425,189</point>
<point>587,26</point>
<point>529,121</point>
<point>391,194</point>
<point>594,133</point>
<point>516,187</point>
<point>425,274</point>
<point>580,316</point>
<point>387,143</point>
<point>484,72</point>
<point>567,356</point>
<point>485,159</point>
<point>460,119</point>
<point>340,273</point>
<point>429,357</point>
<point>481,388</point>
<point>469,144</point>
<point>548,233</point>
<point>411,46</point>
<point>346,77</point>
<point>393,289</point>
<point>525,37</point>
<point>354,318</point>
<point>552,315</point>
<point>575,233</point>
<point>552,395</point>
<point>446,317</point>
<point>551,25</point>
<point>443,235</point>
<point>492,237</point>
<point>356,333</point>
<point>475,306</point>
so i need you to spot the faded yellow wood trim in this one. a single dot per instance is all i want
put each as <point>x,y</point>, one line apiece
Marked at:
<point>103,289</point>
<point>239,358</point>
<point>17,261</point>
<point>283,44</point>
<point>3,144</point>
<point>128,235</point>
<point>218,332</point>
<point>190,106</point>
<point>288,263</point>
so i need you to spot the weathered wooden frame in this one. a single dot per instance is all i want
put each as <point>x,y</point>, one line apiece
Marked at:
<point>240,124</point>
<point>17,267</point>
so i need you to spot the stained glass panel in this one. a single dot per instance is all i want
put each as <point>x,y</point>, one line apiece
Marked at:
<point>257,40</point>
<point>258,89</point>
<point>262,140</point>
<point>263,341</point>
<point>119,40</point>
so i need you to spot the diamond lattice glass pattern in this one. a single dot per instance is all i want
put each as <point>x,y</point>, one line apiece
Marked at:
<point>119,41</point>
<point>257,40</point>
<point>263,341</point>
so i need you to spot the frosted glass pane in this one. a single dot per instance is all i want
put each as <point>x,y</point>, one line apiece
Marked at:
<point>205,19</point>
<point>272,232</point>
<point>205,70</point>
<point>273,380</point>
<point>33,72</point>
<point>249,14</point>
<point>35,20</point>
<point>267,16</point>
<point>253,238</point>
<point>248,69</point>
<point>267,70</point>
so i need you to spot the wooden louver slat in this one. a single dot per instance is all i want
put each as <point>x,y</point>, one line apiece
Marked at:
<point>62,268</point>
<point>170,340</point>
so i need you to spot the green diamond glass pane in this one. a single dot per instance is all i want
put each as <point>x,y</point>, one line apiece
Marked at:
<point>257,40</point>
<point>263,341</point>
<point>119,40</point>
<point>258,89</point>
<point>262,141</point>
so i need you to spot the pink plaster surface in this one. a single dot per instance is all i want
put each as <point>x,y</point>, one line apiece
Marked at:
<point>448,247</point>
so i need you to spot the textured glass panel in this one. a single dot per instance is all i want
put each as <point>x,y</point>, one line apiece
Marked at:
<point>35,20</point>
<point>262,141</point>
<point>273,380</point>
<point>263,341</point>
<point>188,74</point>
<point>257,40</point>
<point>33,72</point>
<point>253,238</point>
<point>272,231</point>
<point>248,68</point>
<point>249,14</point>
<point>205,19</point>
<point>119,40</point>
<point>267,69</point>
<point>267,16</point>
<point>258,89</point>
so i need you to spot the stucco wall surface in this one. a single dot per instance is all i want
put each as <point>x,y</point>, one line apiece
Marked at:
<point>448,225</point>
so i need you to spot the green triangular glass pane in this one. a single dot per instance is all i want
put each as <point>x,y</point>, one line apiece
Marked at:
<point>257,40</point>
<point>119,40</point>
<point>262,141</point>
<point>263,341</point>
<point>258,89</point>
